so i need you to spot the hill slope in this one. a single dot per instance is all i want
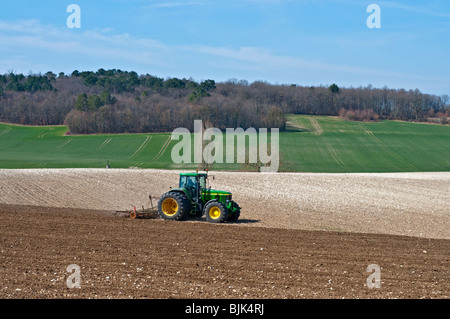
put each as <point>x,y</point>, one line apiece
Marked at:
<point>310,144</point>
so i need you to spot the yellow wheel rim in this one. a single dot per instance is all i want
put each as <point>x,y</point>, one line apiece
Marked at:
<point>169,207</point>
<point>214,212</point>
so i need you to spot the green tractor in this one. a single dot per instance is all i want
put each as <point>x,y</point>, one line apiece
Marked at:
<point>194,198</point>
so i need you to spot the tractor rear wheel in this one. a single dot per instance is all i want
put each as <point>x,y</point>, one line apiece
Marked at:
<point>173,206</point>
<point>216,212</point>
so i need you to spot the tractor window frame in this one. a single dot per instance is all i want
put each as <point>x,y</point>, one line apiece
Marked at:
<point>202,182</point>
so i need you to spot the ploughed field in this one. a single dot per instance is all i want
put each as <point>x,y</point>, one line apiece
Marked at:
<point>299,236</point>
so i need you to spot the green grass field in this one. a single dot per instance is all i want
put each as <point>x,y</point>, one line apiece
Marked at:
<point>310,144</point>
<point>329,144</point>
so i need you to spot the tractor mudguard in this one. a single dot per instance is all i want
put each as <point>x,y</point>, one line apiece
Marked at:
<point>184,191</point>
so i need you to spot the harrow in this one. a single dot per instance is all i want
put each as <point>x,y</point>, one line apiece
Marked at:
<point>143,213</point>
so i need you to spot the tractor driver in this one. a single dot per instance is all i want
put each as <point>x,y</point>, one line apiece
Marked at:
<point>190,183</point>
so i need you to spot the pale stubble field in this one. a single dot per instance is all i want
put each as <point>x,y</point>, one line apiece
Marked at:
<point>411,204</point>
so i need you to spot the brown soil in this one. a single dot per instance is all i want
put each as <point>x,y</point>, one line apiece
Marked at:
<point>299,236</point>
<point>411,204</point>
<point>125,258</point>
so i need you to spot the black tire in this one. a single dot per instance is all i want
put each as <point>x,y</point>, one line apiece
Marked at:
<point>234,216</point>
<point>173,206</point>
<point>216,212</point>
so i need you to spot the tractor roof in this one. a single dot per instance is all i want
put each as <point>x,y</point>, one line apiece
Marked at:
<point>193,174</point>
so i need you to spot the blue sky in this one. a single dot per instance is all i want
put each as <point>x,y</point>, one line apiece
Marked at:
<point>300,42</point>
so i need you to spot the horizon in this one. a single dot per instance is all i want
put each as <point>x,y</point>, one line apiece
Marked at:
<point>238,81</point>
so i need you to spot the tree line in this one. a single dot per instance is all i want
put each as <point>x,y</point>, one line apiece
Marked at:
<point>116,101</point>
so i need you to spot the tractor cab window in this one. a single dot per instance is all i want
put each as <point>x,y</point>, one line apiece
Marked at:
<point>188,181</point>
<point>202,182</point>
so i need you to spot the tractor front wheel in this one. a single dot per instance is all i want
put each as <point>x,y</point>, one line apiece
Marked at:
<point>234,217</point>
<point>216,212</point>
<point>173,206</point>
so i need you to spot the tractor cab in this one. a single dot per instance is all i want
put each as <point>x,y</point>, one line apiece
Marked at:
<point>194,183</point>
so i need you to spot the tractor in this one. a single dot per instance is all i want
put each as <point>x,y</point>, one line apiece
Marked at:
<point>194,198</point>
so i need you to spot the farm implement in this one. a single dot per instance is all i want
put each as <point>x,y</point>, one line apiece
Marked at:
<point>142,213</point>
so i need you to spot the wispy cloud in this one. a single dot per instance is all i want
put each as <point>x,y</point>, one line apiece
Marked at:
<point>44,41</point>
<point>420,9</point>
<point>31,45</point>
<point>32,35</point>
<point>173,4</point>
<point>29,35</point>
<point>417,9</point>
<point>264,59</point>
